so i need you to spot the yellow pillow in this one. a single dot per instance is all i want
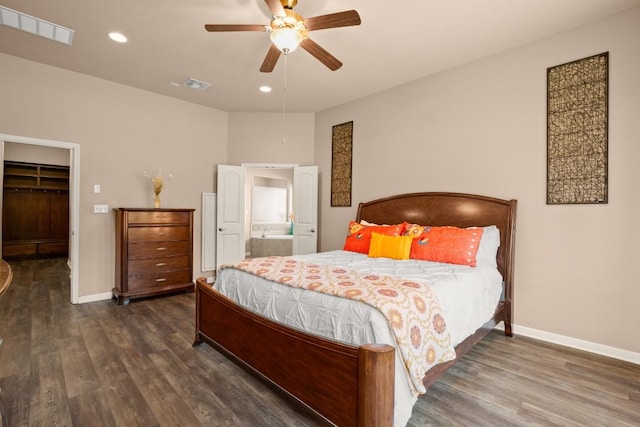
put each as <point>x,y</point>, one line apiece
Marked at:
<point>394,247</point>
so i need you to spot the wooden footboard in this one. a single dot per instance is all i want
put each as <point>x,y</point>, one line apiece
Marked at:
<point>347,385</point>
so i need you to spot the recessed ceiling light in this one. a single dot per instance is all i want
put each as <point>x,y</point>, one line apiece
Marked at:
<point>265,89</point>
<point>117,37</point>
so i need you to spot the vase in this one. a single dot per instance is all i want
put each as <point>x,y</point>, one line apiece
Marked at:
<point>291,228</point>
<point>156,201</point>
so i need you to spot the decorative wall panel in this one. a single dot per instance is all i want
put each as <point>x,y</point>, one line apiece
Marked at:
<point>577,131</point>
<point>341,152</point>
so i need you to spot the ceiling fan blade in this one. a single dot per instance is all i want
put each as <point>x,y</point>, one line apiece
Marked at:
<point>270,60</point>
<point>320,54</point>
<point>275,7</point>
<point>233,27</point>
<point>333,20</point>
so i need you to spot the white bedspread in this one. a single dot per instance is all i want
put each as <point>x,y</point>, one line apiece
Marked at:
<point>468,297</point>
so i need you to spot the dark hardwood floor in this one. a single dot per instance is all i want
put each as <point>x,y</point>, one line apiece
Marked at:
<point>100,364</point>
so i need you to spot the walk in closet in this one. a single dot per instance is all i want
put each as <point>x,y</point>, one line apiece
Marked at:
<point>35,210</point>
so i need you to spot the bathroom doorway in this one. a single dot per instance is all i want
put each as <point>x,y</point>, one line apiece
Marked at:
<point>233,211</point>
<point>269,219</point>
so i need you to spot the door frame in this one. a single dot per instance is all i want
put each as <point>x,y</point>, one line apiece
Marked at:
<point>220,250</point>
<point>74,200</point>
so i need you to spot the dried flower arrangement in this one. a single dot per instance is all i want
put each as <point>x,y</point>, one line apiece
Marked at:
<point>158,182</point>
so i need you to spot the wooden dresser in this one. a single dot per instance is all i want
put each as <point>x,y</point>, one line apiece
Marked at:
<point>154,252</point>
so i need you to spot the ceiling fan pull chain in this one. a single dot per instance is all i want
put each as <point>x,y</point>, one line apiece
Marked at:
<point>284,101</point>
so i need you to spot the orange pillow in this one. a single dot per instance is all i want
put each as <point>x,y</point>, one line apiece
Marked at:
<point>394,247</point>
<point>359,237</point>
<point>445,244</point>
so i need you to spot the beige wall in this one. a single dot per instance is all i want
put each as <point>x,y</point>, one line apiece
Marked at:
<point>36,154</point>
<point>122,132</point>
<point>257,138</point>
<point>481,128</point>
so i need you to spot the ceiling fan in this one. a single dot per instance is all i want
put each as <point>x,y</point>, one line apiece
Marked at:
<point>288,30</point>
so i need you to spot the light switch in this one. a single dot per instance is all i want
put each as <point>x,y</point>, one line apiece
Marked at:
<point>96,188</point>
<point>101,209</point>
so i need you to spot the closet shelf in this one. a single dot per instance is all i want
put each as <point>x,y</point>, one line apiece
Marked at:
<point>36,176</point>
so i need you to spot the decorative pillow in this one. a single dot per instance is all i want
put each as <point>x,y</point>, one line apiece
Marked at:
<point>359,237</point>
<point>488,249</point>
<point>394,247</point>
<point>363,222</point>
<point>445,244</point>
<point>415,230</point>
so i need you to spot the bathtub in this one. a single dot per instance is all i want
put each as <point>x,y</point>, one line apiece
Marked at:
<point>272,244</point>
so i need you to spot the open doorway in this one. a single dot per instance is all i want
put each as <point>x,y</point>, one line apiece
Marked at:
<point>73,152</point>
<point>231,212</point>
<point>35,199</point>
<point>269,208</point>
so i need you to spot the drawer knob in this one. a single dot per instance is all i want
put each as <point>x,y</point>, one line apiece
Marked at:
<point>161,249</point>
<point>161,280</point>
<point>161,264</point>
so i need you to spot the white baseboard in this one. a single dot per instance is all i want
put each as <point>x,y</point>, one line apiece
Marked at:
<point>95,297</point>
<point>603,350</point>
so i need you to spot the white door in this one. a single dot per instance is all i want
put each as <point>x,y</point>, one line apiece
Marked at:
<point>305,210</point>
<point>230,244</point>
<point>209,231</point>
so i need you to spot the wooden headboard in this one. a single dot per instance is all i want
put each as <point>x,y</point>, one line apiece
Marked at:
<point>455,209</point>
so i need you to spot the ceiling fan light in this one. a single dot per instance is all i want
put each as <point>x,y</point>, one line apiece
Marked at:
<point>286,39</point>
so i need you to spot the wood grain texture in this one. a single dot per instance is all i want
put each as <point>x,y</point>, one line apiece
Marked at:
<point>35,210</point>
<point>319,372</point>
<point>152,237</point>
<point>92,370</point>
<point>376,387</point>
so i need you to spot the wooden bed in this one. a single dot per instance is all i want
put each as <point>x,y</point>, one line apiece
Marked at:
<point>317,368</point>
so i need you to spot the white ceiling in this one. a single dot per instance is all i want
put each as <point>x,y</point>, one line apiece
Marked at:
<point>397,42</point>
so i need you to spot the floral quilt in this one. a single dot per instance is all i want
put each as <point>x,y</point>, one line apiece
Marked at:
<point>412,311</point>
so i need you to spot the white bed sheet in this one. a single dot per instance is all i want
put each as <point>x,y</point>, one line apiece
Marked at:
<point>468,297</point>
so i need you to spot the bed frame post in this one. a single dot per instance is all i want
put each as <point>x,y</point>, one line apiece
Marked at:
<point>375,385</point>
<point>508,274</point>
<point>197,339</point>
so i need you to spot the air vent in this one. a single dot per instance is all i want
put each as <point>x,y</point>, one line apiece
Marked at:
<point>36,26</point>
<point>196,84</point>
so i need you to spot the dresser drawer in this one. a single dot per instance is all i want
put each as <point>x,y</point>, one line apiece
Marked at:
<point>159,249</point>
<point>138,267</point>
<point>158,234</point>
<point>150,281</point>
<point>158,217</point>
